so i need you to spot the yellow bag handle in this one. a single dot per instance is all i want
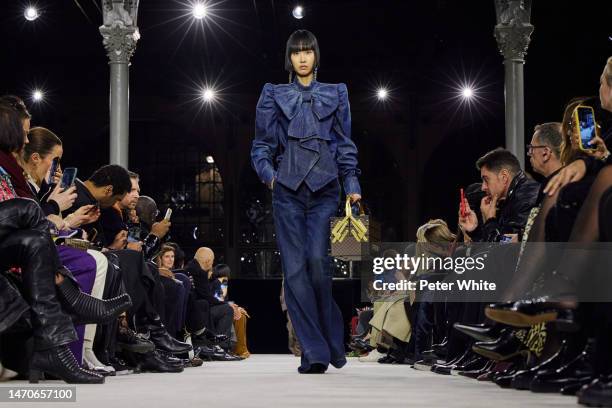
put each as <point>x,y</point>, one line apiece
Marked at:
<point>342,228</point>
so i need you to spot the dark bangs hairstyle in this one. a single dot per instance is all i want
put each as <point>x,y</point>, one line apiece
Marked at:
<point>301,40</point>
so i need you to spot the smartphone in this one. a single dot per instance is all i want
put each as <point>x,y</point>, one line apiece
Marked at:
<point>53,169</point>
<point>168,214</point>
<point>68,177</point>
<point>94,209</point>
<point>584,118</point>
<point>462,206</point>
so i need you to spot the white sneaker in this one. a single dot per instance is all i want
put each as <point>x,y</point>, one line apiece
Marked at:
<point>372,357</point>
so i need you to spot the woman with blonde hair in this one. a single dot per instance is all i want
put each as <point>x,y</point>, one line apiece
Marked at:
<point>392,327</point>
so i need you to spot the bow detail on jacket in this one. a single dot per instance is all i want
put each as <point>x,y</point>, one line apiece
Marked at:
<point>301,106</point>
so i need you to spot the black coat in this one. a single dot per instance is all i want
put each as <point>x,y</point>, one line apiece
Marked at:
<point>201,285</point>
<point>512,213</point>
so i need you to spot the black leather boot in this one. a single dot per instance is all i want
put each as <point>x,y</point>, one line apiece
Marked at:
<point>155,362</point>
<point>521,380</point>
<point>60,362</point>
<point>480,332</point>
<point>502,349</point>
<point>210,337</point>
<point>163,340</point>
<point>35,252</point>
<point>577,370</point>
<point>89,309</point>
<point>214,337</point>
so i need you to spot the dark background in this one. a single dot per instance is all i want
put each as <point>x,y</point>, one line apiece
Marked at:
<point>415,150</point>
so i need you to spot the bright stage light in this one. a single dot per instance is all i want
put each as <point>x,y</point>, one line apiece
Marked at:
<point>382,94</point>
<point>38,95</point>
<point>210,159</point>
<point>208,95</point>
<point>467,92</point>
<point>31,13</point>
<point>298,12</point>
<point>199,11</point>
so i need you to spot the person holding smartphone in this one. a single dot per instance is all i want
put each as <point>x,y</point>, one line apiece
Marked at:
<point>302,151</point>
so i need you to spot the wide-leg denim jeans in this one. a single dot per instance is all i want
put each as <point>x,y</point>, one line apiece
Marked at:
<point>302,222</point>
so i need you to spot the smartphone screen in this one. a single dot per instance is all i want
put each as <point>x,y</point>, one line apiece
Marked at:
<point>68,177</point>
<point>53,169</point>
<point>586,124</point>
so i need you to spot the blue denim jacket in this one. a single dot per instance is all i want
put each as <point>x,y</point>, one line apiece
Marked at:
<point>303,134</point>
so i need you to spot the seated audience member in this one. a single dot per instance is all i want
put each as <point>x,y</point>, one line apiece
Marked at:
<point>26,243</point>
<point>176,292</point>
<point>106,186</point>
<point>88,267</point>
<point>221,314</point>
<point>219,284</point>
<point>510,196</point>
<point>151,232</point>
<point>114,219</point>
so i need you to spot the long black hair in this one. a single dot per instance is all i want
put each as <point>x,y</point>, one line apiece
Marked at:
<point>301,40</point>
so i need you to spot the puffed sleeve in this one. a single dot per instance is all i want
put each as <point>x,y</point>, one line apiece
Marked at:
<point>346,156</point>
<point>266,140</point>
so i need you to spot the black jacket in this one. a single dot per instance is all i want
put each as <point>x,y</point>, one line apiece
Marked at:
<point>512,213</point>
<point>201,284</point>
<point>94,230</point>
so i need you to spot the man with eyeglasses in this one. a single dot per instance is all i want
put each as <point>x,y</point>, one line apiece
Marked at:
<point>544,151</point>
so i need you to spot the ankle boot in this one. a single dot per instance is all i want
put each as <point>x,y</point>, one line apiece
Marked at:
<point>89,309</point>
<point>162,339</point>
<point>60,362</point>
<point>212,337</point>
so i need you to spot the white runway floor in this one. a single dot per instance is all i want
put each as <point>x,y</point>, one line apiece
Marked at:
<point>271,381</point>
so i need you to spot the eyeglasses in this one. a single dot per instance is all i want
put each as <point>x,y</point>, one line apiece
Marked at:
<point>530,147</point>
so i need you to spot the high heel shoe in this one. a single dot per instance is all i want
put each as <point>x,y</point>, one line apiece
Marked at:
<point>89,309</point>
<point>60,362</point>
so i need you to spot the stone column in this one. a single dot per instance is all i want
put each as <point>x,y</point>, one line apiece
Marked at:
<point>120,35</point>
<point>512,33</point>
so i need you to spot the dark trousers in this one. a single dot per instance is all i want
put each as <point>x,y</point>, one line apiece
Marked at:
<point>222,317</point>
<point>183,307</point>
<point>301,219</point>
<point>174,296</point>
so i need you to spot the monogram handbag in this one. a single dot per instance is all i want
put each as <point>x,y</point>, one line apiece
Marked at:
<point>351,235</point>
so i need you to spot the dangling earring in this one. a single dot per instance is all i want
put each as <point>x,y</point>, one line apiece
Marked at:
<point>290,75</point>
<point>315,73</point>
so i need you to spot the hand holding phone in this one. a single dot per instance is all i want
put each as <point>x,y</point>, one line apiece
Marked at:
<point>168,214</point>
<point>586,127</point>
<point>68,177</point>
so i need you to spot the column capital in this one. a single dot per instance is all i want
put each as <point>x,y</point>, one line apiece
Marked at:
<point>119,31</point>
<point>513,40</point>
<point>513,29</point>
